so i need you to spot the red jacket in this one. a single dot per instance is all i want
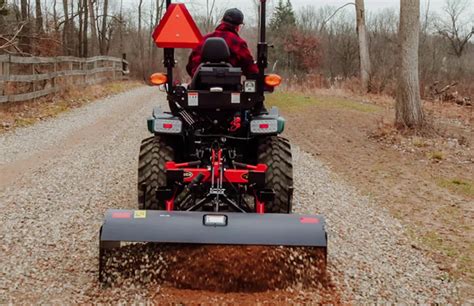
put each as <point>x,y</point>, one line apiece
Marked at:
<point>240,55</point>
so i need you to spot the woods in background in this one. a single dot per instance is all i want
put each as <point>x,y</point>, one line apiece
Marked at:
<point>334,45</point>
<point>82,28</point>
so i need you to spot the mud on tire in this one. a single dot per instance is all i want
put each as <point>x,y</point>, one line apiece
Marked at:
<point>154,153</point>
<point>275,152</point>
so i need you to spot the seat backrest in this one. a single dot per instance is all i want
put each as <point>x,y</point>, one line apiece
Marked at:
<point>215,50</point>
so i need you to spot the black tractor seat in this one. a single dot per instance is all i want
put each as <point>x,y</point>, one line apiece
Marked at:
<point>215,69</point>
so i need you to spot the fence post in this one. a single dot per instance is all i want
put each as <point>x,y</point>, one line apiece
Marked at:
<point>124,64</point>
<point>95,71</point>
<point>34,82</point>
<point>71,76</point>
<point>53,80</point>
<point>114,66</point>
<point>5,72</point>
<point>84,69</point>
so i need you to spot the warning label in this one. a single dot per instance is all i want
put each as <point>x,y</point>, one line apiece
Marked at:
<point>121,215</point>
<point>235,99</point>
<point>193,99</point>
<point>139,214</point>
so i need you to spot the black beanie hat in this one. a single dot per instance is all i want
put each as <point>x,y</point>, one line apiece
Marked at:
<point>234,16</point>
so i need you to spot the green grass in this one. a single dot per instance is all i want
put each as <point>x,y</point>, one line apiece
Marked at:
<point>115,87</point>
<point>436,155</point>
<point>434,242</point>
<point>457,185</point>
<point>420,142</point>
<point>22,122</point>
<point>294,101</point>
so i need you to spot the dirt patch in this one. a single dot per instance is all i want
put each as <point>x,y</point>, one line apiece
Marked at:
<point>217,268</point>
<point>169,295</point>
<point>423,180</point>
<point>246,268</point>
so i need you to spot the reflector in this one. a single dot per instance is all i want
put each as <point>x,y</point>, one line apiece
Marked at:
<point>273,80</point>
<point>177,29</point>
<point>158,79</point>
<point>264,126</point>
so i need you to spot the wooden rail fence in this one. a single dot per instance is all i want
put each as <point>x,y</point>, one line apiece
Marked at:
<point>35,77</point>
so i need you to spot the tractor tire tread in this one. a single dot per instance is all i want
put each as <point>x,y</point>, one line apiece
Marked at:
<point>275,152</point>
<point>154,153</point>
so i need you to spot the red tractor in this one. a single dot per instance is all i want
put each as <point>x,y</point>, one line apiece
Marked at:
<point>215,170</point>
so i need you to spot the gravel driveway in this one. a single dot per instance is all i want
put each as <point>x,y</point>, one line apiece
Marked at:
<point>58,177</point>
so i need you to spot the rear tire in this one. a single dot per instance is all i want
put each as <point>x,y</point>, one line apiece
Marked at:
<point>275,152</point>
<point>154,153</point>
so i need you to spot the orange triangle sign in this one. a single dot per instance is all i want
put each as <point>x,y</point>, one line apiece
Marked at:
<point>177,29</point>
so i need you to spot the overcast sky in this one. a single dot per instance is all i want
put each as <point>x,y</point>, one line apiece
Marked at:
<point>371,5</point>
<point>374,6</point>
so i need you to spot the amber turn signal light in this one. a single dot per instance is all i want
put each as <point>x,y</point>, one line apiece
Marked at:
<point>158,78</point>
<point>273,80</point>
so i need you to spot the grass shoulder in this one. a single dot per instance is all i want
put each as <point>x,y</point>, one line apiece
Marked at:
<point>294,101</point>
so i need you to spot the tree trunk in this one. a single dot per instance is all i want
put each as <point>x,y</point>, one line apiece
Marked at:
<point>103,32</point>
<point>66,28</point>
<point>3,12</point>
<point>80,9</point>
<point>94,41</point>
<point>25,43</point>
<point>72,42</point>
<point>140,40</point>
<point>55,16</point>
<point>121,27</point>
<point>84,31</point>
<point>409,112</point>
<point>39,17</point>
<point>364,57</point>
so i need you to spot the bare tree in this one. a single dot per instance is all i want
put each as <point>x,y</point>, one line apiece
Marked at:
<point>55,15</point>
<point>94,40</point>
<point>85,39</point>
<point>409,112</point>
<point>209,22</point>
<point>3,12</point>
<point>66,29</point>
<point>364,57</point>
<point>140,38</point>
<point>39,17</point>
<point>25,42</point>
<point>454,28</point>
<point>103,31</point>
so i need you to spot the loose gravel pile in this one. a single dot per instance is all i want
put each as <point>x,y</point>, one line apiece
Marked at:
<point>76,166</point>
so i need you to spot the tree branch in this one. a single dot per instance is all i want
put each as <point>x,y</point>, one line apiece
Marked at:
<point>12,40</point>
<point>335,12</point>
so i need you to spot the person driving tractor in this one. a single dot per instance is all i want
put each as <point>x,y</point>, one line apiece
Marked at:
<point>240,55</point>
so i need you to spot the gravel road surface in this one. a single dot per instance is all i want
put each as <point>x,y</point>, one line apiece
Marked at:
<point>58,177</point>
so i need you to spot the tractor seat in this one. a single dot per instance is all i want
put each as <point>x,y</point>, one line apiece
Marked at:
<point>215,69</point>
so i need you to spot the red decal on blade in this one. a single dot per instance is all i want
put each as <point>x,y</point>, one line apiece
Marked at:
<point>121,215</point>
<point>309,220</point>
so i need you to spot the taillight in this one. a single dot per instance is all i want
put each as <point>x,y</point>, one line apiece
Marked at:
<point>264,126</point>
<point>158,78</point>
<point>272,80</point>
<point>168,126</point>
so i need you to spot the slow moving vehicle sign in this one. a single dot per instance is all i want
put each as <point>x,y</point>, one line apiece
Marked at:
<point>177,29</point>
